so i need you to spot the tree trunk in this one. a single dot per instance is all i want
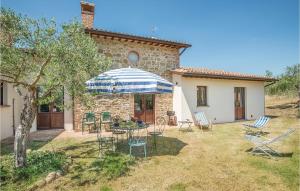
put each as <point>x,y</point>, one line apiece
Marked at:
<point>22,132</point>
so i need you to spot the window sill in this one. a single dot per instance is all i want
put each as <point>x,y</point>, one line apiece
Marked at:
<point>4,106</point>
<point>202,105</point>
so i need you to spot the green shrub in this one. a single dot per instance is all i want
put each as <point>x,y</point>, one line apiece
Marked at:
<point>39,163</point>
<point>113,165</point>
<point>5,168</point>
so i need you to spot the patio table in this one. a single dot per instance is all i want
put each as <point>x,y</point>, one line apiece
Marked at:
<point>187,123</point>
<point>130,127</point>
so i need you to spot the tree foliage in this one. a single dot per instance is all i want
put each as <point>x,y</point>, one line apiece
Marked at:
<point>38,56</point>
<point>288,82</point>
<point>34,53</point>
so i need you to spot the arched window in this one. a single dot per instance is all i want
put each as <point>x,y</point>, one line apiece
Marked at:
<point>133,57</point>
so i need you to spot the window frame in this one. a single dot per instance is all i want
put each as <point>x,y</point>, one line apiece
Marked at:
<point>205,98</point>
<point>137,54</point>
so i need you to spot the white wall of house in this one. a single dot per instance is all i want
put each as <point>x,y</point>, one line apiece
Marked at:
<point>220,98</point>
<point>177,96</point>
<point>68,112</point>
<point>6,112</point>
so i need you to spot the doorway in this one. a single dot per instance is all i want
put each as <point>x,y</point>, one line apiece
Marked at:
<point>144,107</point>
<point>51,116</point>
<point>239,103</point>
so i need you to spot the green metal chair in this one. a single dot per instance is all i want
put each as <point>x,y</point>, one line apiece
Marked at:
<point>137,141</point>
<point>89,119</point>
<point>116,130</point>
<point>105,142</point>
<point>105,119</point>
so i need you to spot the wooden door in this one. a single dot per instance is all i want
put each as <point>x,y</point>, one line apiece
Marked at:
<point>51,116</point>
<point>144,107</point>
<point>44,117</point>
<point>239,103</point>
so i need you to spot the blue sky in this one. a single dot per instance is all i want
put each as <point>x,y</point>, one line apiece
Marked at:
<point>248,36</point>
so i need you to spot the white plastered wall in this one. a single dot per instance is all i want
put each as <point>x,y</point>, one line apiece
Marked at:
<point>6,112</point>
<point>220,98</point>
<point>68,112</point>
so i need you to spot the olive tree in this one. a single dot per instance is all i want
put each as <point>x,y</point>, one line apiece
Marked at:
<point>36,53</point>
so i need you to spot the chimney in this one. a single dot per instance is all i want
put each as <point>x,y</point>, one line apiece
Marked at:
<point>87,14</point>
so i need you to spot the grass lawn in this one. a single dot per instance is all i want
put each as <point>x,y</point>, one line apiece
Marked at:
<point>187,161</point>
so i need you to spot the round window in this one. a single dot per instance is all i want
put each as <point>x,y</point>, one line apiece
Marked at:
<point>133,57</point>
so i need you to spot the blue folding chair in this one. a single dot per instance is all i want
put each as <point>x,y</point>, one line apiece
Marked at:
<point>258,125</point>
<point>202,121</point>
<point>262,145</point>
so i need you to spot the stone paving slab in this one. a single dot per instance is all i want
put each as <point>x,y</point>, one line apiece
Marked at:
<point>46,135</point>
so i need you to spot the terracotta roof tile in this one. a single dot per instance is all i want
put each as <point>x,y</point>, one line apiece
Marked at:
<point>221,74</point>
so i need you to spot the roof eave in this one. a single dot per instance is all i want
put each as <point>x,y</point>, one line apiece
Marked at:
<point>186,74</point>
<point>136,38</point>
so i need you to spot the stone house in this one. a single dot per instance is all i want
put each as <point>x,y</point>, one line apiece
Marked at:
<point>223,96</point>
<point>150,54</point>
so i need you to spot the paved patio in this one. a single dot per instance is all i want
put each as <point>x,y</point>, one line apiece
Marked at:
<point>52,134</point>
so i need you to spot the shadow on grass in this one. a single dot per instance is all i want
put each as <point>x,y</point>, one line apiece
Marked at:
<point>284,106</point>
<point>36,140</point>
<point>185,130</point>
<point>259,133</point>
<point>164,146</point>
<point>8,148</point>
<point>87,149</point>
<point>273,154</point>
<point>272,116</point>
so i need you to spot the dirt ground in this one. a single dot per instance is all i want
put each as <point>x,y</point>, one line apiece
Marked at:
<point>282,106</point>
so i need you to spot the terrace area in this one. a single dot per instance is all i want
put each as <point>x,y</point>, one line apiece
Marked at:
<point>184,160</point>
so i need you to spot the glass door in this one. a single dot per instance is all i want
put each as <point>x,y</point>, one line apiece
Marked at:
<point>144,107</point>
<point>139,107</point>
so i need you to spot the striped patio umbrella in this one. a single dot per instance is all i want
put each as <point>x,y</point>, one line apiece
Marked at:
<point>128,80</point>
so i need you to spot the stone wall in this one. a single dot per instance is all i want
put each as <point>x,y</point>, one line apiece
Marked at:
<point>163,103</point>
<point>116,104</point>
<point>155,59</point>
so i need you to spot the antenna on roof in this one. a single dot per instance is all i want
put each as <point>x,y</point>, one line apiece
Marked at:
<point>153,31</point>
